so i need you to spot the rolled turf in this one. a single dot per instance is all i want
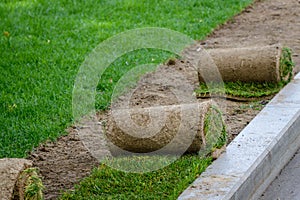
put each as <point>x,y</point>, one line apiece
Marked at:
<point>250,64</point>
<point>19,180</point>
<point>172,129</point>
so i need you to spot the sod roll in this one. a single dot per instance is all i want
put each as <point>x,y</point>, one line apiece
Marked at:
<point>19,180</point>
<point>172,129</point>
<point>251,64</point>
<point>10,170</point>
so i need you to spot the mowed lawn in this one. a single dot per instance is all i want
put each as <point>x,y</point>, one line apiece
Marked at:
<point>43,44</point>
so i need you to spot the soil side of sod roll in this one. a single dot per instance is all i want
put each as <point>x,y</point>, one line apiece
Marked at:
<point>250,64</point>
<point>172,129</point>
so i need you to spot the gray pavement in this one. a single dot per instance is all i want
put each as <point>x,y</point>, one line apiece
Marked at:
<point>286,186</point>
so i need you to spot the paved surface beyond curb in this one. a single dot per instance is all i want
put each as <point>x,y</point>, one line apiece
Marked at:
<point>256,156</point>
<point>287,184</point>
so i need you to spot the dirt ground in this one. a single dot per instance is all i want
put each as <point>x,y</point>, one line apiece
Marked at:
<point>66,161</point>
<point>264,23</point>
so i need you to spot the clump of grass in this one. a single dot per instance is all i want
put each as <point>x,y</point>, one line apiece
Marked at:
<point>7,36</point>
<point>254,105</point>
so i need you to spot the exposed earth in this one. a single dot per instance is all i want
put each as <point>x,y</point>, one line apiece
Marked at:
<point>65,162</point>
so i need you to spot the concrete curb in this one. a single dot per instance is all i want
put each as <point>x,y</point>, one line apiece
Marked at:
<point>256,156</point>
